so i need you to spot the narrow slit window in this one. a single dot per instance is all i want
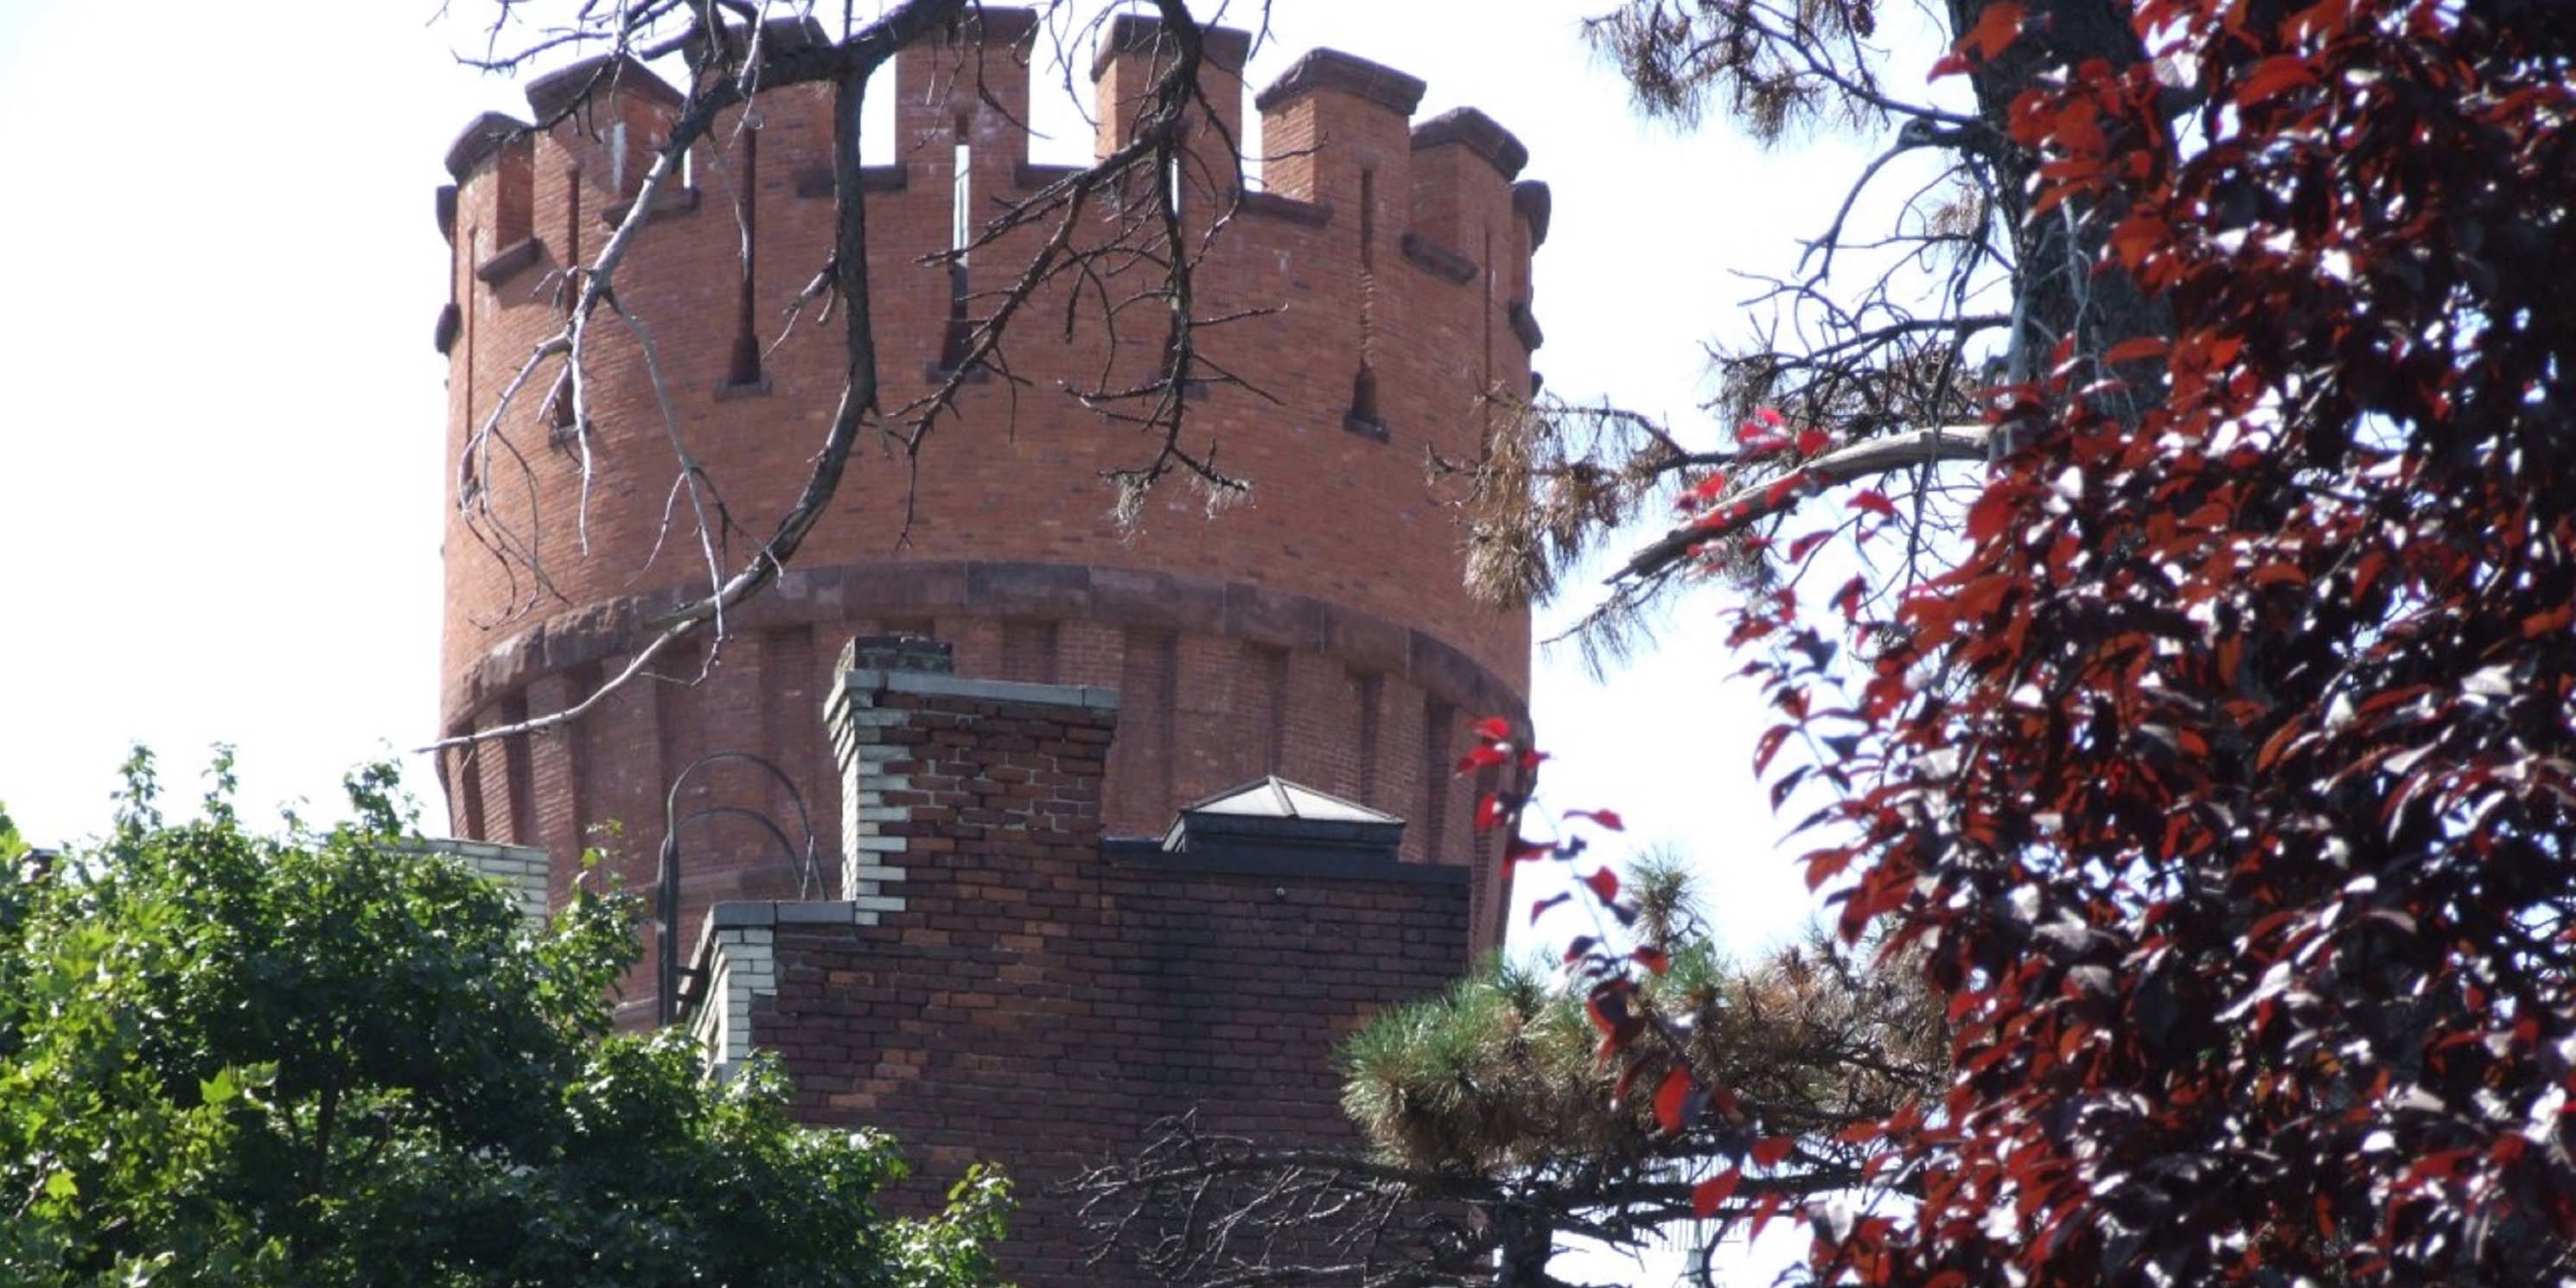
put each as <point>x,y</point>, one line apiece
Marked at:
<point>1437,717</point>
<point>1363,413</point>
<point>559,409</point>
<point>572,216</point>
<point>1368,690</point>
<point>513,194</point>
<point>961,194</point>
<point>1368,223</point>
<point>1485,279</point>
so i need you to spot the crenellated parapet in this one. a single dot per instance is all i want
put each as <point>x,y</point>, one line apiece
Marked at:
<point>1353,179</point>
<point>1322,632</point>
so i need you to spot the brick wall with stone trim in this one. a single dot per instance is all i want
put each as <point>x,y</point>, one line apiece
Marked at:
<point>930,760</point>
<point>739,966</point>
<point>736,959</point>
<point>521,871</point>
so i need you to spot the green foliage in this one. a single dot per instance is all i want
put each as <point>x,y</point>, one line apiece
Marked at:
<point>329,1058</point>
<point>1478,1078</point>
<point>1506,1071</point>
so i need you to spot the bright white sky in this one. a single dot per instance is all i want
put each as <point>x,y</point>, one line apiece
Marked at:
<point>222,430</point>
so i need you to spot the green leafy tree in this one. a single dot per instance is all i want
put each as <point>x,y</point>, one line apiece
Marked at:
<point>328,1058</point>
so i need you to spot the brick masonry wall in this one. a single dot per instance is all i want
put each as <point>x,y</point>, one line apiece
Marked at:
<point>1001,989</point>
<point>1041,1006</point>
<point>1320,632</point>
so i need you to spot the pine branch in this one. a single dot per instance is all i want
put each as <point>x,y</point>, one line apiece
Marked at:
<point>1775,496</point>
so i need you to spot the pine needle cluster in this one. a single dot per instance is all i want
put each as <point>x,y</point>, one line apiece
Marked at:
<point>1501,1072</point>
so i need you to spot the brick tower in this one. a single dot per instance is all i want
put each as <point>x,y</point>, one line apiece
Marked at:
<point>1071,886</point>
<point>1320,632</point>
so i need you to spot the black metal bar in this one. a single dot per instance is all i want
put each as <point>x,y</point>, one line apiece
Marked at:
<point>667,892</point>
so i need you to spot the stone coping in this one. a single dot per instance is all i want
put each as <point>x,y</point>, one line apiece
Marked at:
<point>1480,133</point>
<point>1332,69</point>
<point>1131,33</point>
<point>930,684</point>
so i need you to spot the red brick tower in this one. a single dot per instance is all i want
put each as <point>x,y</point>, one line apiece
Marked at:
<point>1319,632</point>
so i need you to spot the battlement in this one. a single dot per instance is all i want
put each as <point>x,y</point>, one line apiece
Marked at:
<point>1354,185</point>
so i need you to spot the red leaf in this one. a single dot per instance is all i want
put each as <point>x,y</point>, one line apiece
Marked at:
<point>1539,908</point>
<point>1706,1195</point>
<point>1671,1098</point>
<point>2136,349</point>
<point>1987,517</point>
<point>1493,729</point>
<point>1653,959</point>
<point>1762,1213</point>
<point>1771,1151</point>
<point>1608,1007</point>
<point>1875,502</point>
<point>1813,441</point>
<point>1767,415</point>
<point>1483,757</point>
<point>2556,619</point>
<point>1768,745</point>
<point>1604,883</point>
<point>1995,29</point>
<point>1521,850</point>
<point>1806,545</point>
<point>2274,77</point>
<point>2137,237</point>
<point>1848,598</point>
<point>1948,65</point>
<point>1606,818</point>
